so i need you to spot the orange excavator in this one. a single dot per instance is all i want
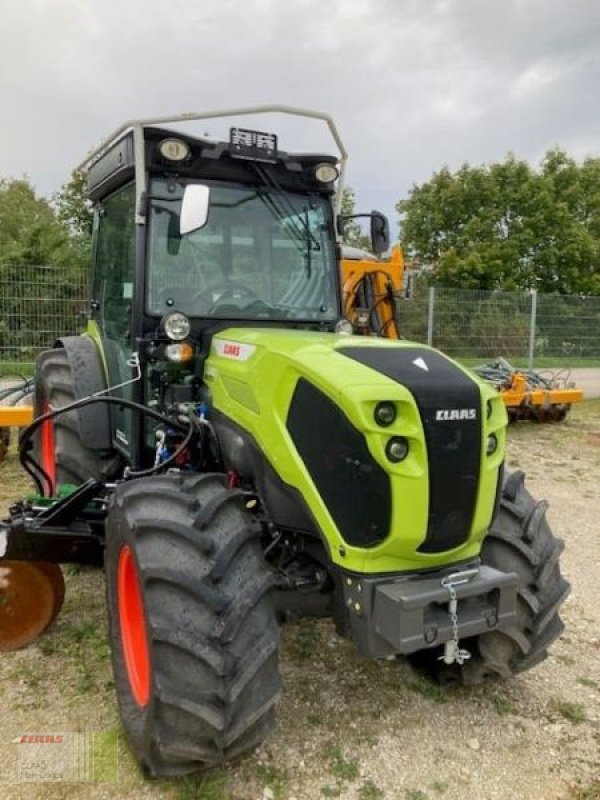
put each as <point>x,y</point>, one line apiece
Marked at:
<point>371,288</point>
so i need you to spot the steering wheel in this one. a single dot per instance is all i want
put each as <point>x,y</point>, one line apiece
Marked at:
<point>224,290</point>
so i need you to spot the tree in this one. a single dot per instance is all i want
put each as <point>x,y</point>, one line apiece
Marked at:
<point>353,234</point>
<point>73,206</point>
<point>30,232</point>
<point>75,211</point>
<point>509,226</point>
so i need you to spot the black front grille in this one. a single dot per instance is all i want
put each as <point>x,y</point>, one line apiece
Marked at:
<point>355,489</point>
<point>453,445</point>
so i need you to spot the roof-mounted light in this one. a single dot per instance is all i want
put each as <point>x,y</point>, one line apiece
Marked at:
<point>174,149</point>
<point>326,173</point>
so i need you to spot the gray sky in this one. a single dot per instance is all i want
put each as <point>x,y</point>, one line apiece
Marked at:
<point>412,84</point>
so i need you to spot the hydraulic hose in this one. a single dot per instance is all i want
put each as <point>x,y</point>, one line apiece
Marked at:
<point>29,464</point>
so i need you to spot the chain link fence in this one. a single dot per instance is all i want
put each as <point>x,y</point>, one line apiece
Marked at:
<point>38,304</point>
<point>526,328</point>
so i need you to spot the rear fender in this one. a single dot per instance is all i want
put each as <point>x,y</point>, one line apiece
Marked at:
<point>88,378</point>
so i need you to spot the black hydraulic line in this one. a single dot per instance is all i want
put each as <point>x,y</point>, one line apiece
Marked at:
<point>26,459</point>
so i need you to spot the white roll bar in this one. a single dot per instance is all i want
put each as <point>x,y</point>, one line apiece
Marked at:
<point>138,126</point>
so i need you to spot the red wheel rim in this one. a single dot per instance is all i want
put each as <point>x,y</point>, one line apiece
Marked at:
<point>132,622</point>
<point>47,449</point>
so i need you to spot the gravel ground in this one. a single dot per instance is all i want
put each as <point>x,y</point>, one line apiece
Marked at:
<point>350,728</point>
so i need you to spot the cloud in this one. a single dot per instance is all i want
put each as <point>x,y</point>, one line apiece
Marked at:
<point>412,85</point>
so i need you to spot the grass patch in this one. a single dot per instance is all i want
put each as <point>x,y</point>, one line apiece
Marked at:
<point>273,777</point>
<point>305,642</point>
<point>503,705</point>
<point>438,786</point>
<point>574,712</point>
<point>211,786</point>
<point>426,687</point>
<point>588,682</point>
<point>369,791</point>
<point>415,794</point>
<point>341,767</point>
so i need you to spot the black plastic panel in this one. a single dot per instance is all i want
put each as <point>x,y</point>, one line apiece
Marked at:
<point>453,445</point>
<point>355,489</point>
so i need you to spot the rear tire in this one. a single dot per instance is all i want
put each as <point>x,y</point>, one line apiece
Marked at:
<point>200,685</point>
<point>57,443</point>
<point>519,541</point>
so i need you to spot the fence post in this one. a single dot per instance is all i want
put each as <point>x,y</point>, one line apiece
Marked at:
<point>532,328</point>
<point>430,316</point>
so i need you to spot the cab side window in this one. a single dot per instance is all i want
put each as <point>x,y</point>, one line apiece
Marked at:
<point>115,261</point>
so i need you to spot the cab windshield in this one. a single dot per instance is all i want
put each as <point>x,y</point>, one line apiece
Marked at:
<point>261,254</point>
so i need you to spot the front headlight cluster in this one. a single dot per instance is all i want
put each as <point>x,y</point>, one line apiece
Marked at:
<point>397,447</point>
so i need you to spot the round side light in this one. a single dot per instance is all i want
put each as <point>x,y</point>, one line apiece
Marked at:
<point>491,445</point>
<point>397,449</point>
<point>385,413</point>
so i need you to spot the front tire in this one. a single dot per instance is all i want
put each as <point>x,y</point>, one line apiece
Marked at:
<point>193,630</point>
<point>520,541</point>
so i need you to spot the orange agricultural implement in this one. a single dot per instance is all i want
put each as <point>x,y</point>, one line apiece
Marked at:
<point>370,288</point>
<point>530,395</point>
<point>11,414</point>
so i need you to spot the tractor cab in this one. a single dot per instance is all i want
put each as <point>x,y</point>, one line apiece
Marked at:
<point>194,235</point>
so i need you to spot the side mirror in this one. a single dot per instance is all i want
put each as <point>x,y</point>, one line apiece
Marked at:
<point>380,232</point>
<point>194,208</point>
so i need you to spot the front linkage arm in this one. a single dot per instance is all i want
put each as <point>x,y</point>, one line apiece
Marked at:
<point>69,529</point>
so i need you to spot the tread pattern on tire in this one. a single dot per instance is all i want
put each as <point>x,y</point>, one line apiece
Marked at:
<point>75,462</point>
<point>212,631</point>
<point>521,541</point>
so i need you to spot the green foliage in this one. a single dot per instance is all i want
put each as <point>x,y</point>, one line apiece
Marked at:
<point>341,767</point>
<point>209,786</point>
<point>30,231</point>
<point>43,262</point>
<point>370,791</point>
<point>353,234</point>
<point>574,712</point>
<point>275,778</point>
<point>74,211</point>
<point>72,205</point>
<point>509,226</point>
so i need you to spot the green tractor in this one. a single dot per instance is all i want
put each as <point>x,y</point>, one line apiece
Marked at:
<point>236,459</point>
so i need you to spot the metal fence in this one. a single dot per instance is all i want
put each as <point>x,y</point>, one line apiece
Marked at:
<point>37,304</point>
<point>530,329</point>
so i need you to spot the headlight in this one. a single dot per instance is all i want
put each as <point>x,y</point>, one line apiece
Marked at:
<point>176,325</point>
<point>397,449</point>
<point>385,413</point>
<point>492,444</point>
<point>326,173</point>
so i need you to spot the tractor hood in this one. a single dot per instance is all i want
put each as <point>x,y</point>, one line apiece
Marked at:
<point>307,401</point>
